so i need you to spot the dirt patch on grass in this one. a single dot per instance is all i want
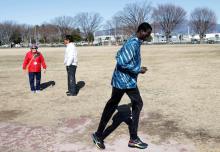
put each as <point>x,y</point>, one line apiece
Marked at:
<point>9,115</point>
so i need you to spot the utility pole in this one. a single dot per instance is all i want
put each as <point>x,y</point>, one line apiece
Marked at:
<point>188,31</point>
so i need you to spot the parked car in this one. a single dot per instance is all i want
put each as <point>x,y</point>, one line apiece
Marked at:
<point>82,43</point>
<point>97,43</point>
<point>195,41</point>
<point>17,45</point>
<point>5,46</point>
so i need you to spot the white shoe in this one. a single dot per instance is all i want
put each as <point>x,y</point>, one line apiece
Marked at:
<point>37,91</point>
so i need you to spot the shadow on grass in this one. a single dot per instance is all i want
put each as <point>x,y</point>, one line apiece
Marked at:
<point>47,84</point>
<point>80,85</point>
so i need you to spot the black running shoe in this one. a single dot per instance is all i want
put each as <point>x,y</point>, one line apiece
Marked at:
<point>98,142</point>
<point>70,94</point>
<point>137,143</point>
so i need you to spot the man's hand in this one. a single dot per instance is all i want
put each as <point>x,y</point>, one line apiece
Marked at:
<point>45,71</point>
<point>143,70</point>
<point>25,71</point>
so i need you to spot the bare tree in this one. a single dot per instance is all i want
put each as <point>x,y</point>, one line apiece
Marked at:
<point>115,28</point>
<point>64,24</point>
<point>202,20</point>
<point>169,17</point>
<point>6,31</point>
<point>115,25</point>
<point>16,36</point>
<point>156,27</point>
<point>30,33</point>
<point>2,34</point>
<point>133,15</point>
<point>10,32</point>
<point>49,33</point>
<point>88,23</point>
<point>26,33</point>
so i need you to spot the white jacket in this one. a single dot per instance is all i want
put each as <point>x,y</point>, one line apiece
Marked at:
<point>70,57</point>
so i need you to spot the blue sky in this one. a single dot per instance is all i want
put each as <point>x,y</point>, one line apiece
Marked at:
<point>40,11</point>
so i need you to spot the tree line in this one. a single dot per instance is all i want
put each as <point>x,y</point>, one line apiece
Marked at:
<point>163,17</point>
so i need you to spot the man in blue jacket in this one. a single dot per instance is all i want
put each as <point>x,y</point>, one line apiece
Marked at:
<point>124,80</point>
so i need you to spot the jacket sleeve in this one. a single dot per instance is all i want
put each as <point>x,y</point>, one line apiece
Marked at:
<point>26,61</point>
<point>126,58</point>
<point>43,61</point>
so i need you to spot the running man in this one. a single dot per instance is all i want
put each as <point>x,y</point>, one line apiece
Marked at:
<point>124,80</point>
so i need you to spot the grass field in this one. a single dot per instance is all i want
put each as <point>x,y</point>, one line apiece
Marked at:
<point>181,95</point>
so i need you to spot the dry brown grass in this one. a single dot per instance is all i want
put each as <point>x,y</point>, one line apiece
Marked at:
<point>181,91</point>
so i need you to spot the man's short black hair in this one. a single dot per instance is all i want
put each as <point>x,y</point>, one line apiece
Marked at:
<point>69,37</point>
<point>144,26</point>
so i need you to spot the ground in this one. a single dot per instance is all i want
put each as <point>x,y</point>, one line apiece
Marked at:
<point>180,91</point>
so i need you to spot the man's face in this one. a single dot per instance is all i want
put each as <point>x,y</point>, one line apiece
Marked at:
<point>145,34</point>
<point>34,50</point>
<point>66,41</point>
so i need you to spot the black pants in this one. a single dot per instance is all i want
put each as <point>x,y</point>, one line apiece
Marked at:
<point>71,79</point>
<point>112,104</point>
<point>34,77</point>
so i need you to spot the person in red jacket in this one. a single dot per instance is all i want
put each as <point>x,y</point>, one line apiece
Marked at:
<point>32,64</point>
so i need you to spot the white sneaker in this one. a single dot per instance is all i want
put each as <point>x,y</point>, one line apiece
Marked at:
<point>37,91</point>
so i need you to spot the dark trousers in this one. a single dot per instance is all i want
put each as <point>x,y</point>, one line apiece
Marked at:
<point>34,78</point>
<point>71,79</point>
<point>112,104</point>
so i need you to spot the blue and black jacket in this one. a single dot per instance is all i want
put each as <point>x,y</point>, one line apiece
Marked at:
<point>128,64</point>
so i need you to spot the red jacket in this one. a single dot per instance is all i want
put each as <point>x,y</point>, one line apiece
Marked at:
<point>33,62</point>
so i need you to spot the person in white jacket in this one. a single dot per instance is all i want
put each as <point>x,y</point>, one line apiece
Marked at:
<point>70,61</point>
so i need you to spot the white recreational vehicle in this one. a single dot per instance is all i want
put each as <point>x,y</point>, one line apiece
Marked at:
<point>209,38</point>
<point>212,37</point>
